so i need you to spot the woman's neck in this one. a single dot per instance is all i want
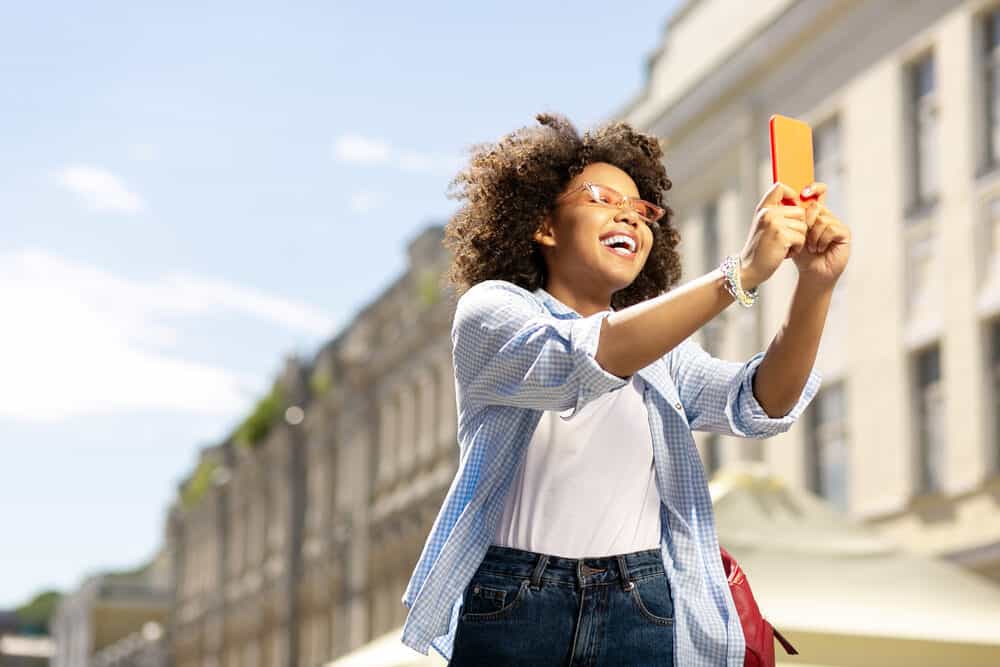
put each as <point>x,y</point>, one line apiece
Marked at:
<point>585,305</point>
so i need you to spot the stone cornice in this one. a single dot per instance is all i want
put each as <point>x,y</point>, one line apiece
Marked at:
<point>755,51</point>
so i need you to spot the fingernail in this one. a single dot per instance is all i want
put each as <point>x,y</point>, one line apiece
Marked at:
<point>807,192</point>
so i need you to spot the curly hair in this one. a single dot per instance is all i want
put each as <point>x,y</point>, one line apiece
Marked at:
<point>508,187</point>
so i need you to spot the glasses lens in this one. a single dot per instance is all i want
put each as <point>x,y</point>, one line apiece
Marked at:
<point>645,209</point>
<point>605,195</point>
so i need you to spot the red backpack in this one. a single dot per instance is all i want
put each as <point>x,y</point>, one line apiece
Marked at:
<point>759,634</point>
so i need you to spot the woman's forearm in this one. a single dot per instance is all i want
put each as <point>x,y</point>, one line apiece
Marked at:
<point>634,337</point>
<point>783,372</point>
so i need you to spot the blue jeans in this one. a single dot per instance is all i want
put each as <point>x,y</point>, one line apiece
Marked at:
<point>528,608</point>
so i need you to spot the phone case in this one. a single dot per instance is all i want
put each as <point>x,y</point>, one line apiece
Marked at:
<point>791,153</point>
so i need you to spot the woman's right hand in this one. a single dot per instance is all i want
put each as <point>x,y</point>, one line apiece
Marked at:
<point>777,233</point>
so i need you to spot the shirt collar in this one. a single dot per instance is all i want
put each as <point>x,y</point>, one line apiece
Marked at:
<point>555,306</point>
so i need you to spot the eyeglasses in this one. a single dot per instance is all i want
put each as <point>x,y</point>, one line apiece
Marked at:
<point>602,194</point>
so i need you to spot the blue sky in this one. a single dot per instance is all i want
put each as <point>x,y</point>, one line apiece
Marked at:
<point>181,193</point>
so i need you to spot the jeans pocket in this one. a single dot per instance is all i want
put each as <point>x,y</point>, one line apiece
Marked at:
<point>490,597</point>
<point>653,599</point>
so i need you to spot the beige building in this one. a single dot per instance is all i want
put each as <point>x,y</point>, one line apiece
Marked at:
<point>96,622</point>
<point>295,537</point>
<point>902,98</point>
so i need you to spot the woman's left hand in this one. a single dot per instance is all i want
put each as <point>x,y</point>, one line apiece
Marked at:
<point>824,255</point>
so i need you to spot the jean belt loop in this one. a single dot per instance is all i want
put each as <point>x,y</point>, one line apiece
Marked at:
<point>627,584</point>
<point>536,575</point>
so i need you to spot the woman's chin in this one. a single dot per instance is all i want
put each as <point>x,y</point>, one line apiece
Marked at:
<point>619,281</point>
<point>622,276</point>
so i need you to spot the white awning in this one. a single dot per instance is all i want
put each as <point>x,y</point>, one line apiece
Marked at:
<point>815,569</point>
<point>388,651</point>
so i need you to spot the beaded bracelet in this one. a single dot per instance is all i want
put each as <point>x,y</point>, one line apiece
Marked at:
<point>731,268</point>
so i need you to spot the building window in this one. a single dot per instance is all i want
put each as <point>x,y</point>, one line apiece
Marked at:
<point>408,401</point>
<point>826,455</point>
<point>991,87</point>
<point>710,236</point>
<point>920,240</point>
<point>930,420</point>
<point>923,116</point>
<point>317,487</point>
<point>388,437</point>
<point>446,417</point>
<point>711,332</point>
<point>995,381</point>
<point>829,166</point>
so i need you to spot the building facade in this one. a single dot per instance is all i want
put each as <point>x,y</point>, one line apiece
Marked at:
<point>108,611</point>
<point>903,101</point>
<point>297,548</point>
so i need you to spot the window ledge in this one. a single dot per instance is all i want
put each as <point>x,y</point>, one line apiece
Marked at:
<point>987,173</point>
<point>988,298</point>
<point>921,331</point>
<point>921,210</point>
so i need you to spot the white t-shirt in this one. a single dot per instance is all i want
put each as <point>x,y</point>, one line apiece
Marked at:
<point>586,486</point>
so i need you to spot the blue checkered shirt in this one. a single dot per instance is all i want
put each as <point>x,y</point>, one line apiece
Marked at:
<point>518,353</point>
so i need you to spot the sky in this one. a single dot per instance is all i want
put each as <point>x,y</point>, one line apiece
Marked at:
<point>191,193</point>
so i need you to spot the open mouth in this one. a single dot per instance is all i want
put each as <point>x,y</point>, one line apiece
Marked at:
<point>621,245</point>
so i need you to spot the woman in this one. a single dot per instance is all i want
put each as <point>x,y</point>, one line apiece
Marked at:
<point>579,528</point>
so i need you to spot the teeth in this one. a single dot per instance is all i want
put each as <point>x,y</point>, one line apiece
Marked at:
<point>620,238</point>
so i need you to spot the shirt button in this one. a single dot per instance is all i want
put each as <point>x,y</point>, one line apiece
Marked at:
<point>677,405</point>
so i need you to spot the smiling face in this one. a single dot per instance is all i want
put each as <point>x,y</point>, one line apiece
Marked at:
<point>583,270</point>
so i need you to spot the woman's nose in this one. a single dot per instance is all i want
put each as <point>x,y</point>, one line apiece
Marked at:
<point>626,214</point>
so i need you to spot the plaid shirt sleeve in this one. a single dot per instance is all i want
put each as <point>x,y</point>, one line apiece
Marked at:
<point>508,351</point>
<point>717,395</point>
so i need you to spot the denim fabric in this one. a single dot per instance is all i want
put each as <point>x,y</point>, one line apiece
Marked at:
<point>527,608</point>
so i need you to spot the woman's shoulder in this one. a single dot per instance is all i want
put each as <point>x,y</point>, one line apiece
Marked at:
<point>496,292</point>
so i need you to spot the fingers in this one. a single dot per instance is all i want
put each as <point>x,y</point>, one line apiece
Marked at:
<point>787,225</point>
<point>796,234</point>
<point>826,230</point>
<point>776,194</point>
<point>815,191</point>
<point>778,214</point>
<point>812,212</point>
<point>796,212</point>
<point>834,232</point>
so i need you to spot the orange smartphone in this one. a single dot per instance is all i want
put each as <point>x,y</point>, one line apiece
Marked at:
<point>791,154</point>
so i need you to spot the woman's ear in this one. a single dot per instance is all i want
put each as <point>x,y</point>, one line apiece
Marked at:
<point>543,235</point>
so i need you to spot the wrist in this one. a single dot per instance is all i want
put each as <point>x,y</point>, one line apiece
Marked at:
<point>732,271</point>
<point>747,279</point>
<point>815,285</point>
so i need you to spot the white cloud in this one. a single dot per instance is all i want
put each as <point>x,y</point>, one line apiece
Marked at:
<point>355,148</point>
<point>101,189</point>
<point>80,340</point>
<point>363,202</point>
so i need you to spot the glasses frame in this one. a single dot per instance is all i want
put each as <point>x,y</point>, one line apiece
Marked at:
<point>625,201</point>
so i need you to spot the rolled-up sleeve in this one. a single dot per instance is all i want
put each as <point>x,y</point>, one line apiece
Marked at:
<point>751,418</point>
<point>718,395</point>
<point>509,350</point>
